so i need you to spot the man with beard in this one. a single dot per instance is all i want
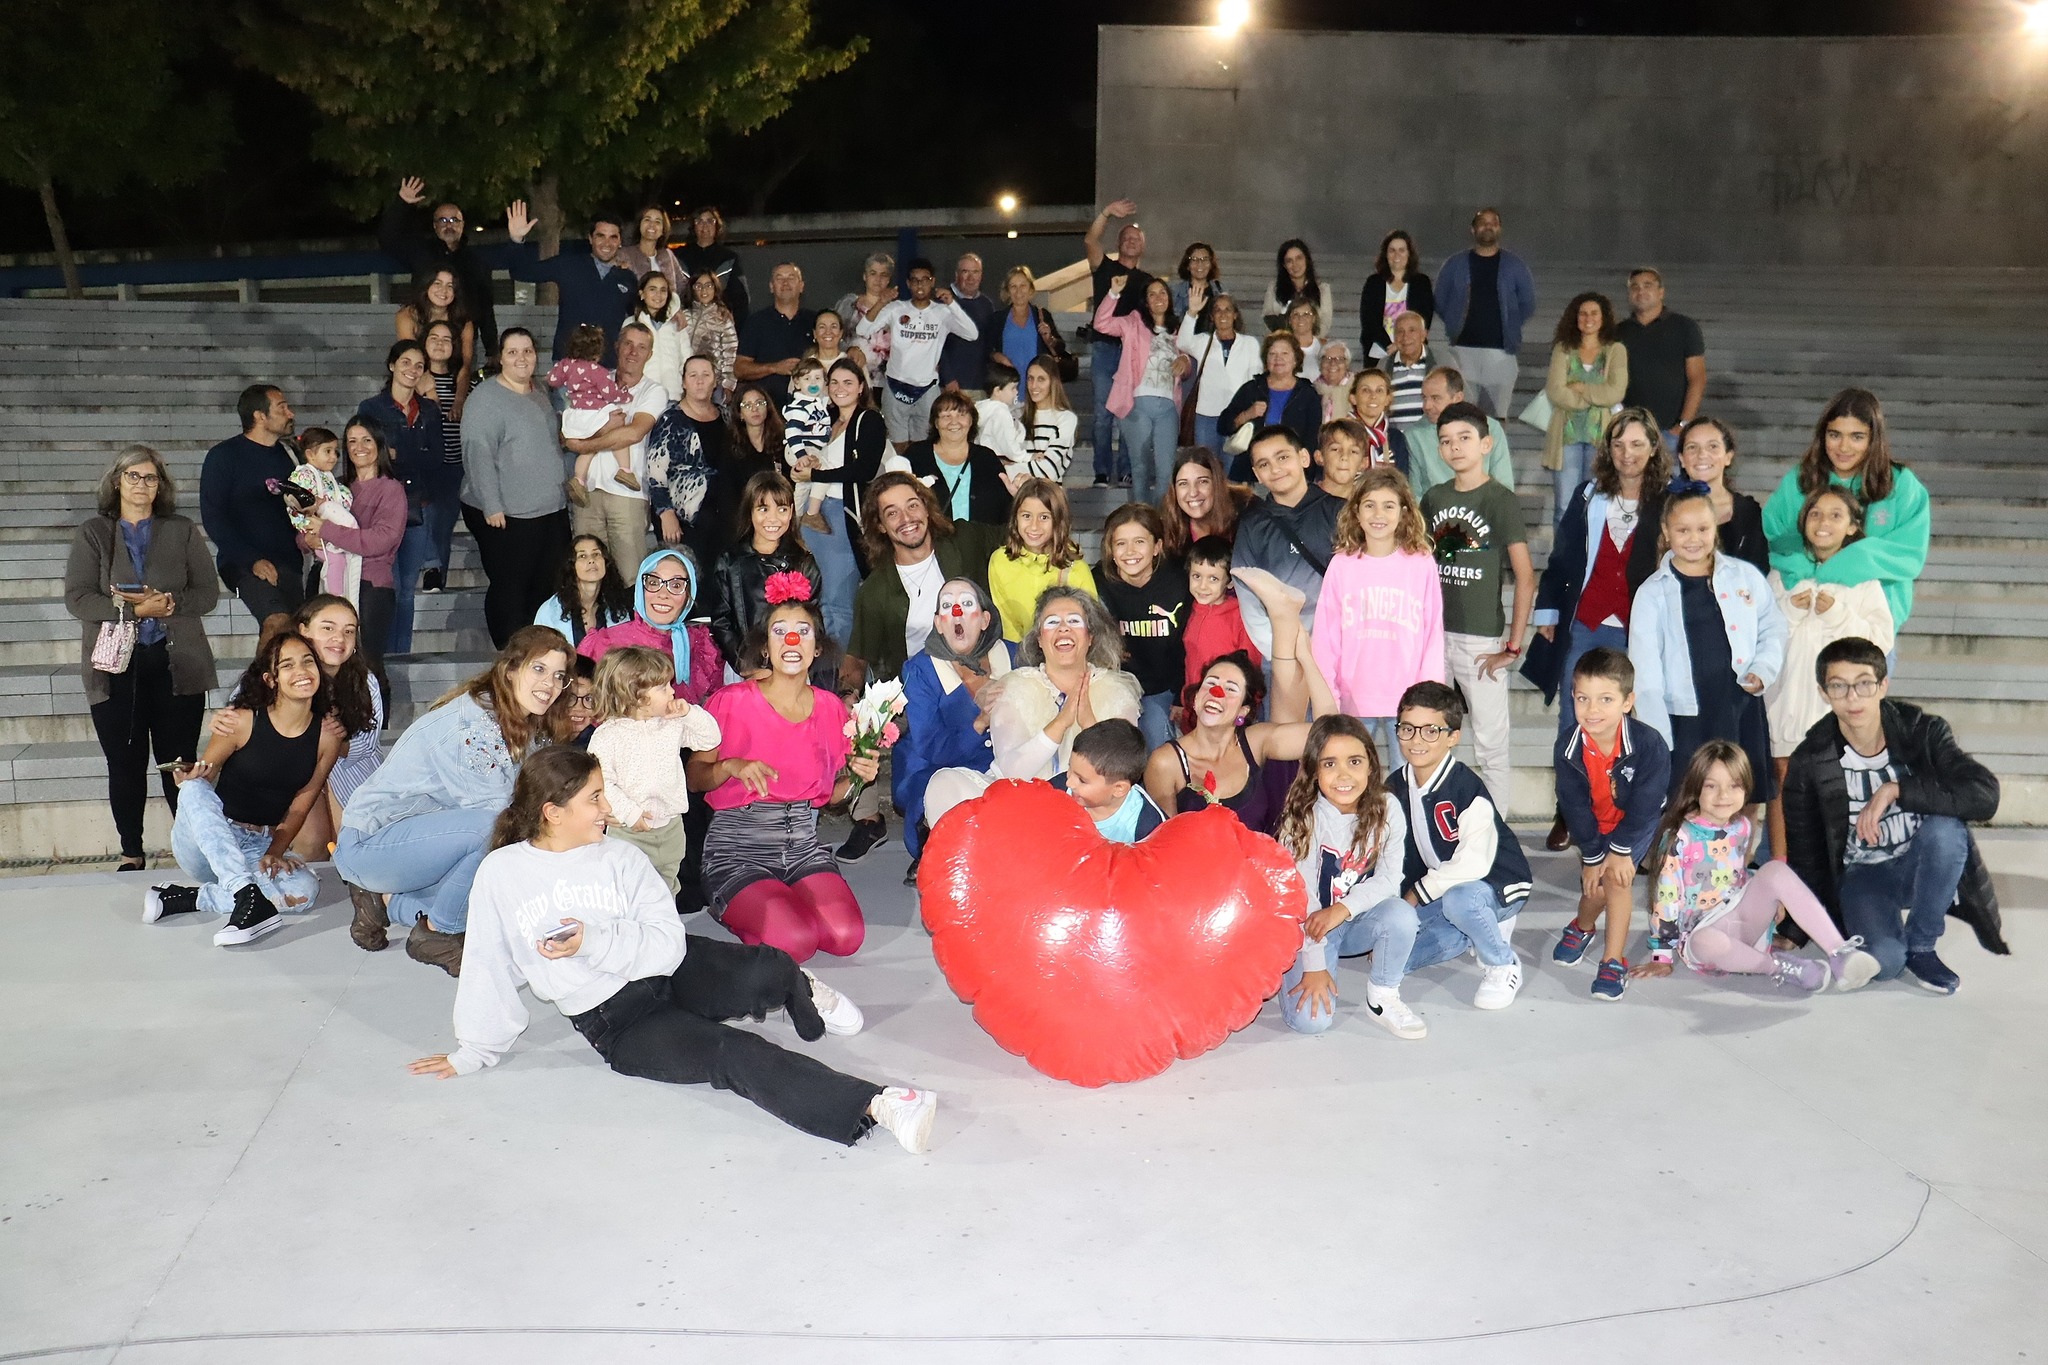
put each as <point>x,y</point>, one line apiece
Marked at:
<point>1484,296</point>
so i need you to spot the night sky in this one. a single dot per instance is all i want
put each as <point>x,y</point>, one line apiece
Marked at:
<point>1001,96</point>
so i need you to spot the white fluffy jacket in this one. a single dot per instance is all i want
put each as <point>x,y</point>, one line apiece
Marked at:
<point>1023,702</point>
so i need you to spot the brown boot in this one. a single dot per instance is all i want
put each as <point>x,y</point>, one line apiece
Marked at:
<point>429,945</point>
<point>1560,838</point>
<point>371,919</point>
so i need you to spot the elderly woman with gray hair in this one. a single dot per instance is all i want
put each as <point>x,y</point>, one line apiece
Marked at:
<point>862,312</point>
<point>138,565</point>
<point>1067,678</point>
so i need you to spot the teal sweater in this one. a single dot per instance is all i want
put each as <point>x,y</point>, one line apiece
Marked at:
<point>1893,549</point>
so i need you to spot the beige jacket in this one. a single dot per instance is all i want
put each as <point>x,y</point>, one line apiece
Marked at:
<point>1564,402</point>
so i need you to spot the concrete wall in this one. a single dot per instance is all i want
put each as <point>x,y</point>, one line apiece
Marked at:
<point>1869,151</point>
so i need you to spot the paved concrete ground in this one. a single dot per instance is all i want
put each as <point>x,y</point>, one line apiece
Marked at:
<point>217,1156</point>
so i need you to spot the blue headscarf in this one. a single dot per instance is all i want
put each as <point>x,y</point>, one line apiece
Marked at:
<point>678,633</point>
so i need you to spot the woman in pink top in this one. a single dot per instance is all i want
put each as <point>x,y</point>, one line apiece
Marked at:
<point>1145,395</point>
<point>783,752</point>
<point>1384,627</point>
<point>664,593</point>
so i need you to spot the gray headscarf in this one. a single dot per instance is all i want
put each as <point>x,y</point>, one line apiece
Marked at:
<point>975,660</point>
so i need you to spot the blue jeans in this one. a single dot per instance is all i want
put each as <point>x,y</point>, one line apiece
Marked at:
<point>1577,643</point>
<point>1578,466</point>
<point>1103,358</point>
<point>1149,431</point>
<point>424,862</point>
<point>414,553</point>
<point>1466,916</point>
<point>1155,718</point>
<point>226,857</point>
<point>442,513</point>
<point>1208,433</point>
<point>837,568</point>
<point>1387,931</point>
<point>1923,880</point>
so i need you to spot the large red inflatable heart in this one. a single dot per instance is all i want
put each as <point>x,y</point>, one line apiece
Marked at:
<point>1100,962</point>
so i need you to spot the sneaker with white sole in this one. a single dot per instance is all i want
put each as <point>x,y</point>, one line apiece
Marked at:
<point>907,1114</point>
<point>842,1017</point>
<point>1386,1005</point>
<point>253,917</point>
<point>1849,967</point>
<point>1498,986</point>
<point>1800,973</point>
<point>168,899</point>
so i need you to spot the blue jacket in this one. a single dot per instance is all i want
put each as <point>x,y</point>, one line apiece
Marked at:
<point>1517,296</point>
<point>1641,776</point>
<point>584,296</point>
<point>938,732</point>
<point>1657,644</point>
<point>1572,554</point>
<point>418,445</point>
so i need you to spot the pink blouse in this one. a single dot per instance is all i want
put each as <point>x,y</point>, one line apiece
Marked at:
<point>807,758</point>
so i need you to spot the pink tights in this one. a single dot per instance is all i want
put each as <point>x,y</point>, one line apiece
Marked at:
<point>817,913</point>
<point>1728,943</point>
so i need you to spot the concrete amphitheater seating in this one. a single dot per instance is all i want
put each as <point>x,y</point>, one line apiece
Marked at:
<point>1957,356</point>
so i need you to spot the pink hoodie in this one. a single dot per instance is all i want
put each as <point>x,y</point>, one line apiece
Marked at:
<point>1134,330</point>
<point>1379,629</point>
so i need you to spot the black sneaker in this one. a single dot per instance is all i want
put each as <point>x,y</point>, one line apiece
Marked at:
<point>1930,973</point>
<point>434,579</point>
<point>1101,481</point>
<point>910,873</point>
<point>867,836</point>
<point>169,899</point>
<point>254,917</point>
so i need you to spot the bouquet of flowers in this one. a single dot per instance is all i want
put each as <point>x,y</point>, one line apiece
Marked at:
<point>873,727</point>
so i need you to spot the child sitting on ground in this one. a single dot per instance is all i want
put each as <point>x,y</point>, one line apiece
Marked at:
<point>1715,913</point>
<point>1215,623</point>
<point>1106,775</point>
<point>341,572</point>
<point>596,404</point>
<point>642,729</point>
<point>807,435</point>
<point>1612,774</point>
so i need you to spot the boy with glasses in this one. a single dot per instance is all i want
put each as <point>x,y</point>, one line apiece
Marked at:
<point>1878,800</point>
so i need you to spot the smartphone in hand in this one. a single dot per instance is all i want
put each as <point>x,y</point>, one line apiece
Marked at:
<point>561,933</point>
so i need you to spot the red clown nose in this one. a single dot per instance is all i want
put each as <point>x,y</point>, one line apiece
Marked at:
<point>958,610</point>
<point>1216,691</point>
<point>791,639</point>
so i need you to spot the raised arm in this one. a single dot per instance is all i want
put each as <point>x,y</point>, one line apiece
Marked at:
<point>1092,242</point>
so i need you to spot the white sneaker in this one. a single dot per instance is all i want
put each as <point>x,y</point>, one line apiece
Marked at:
<point>842,1017</point>
<point>908,1114</point>
<point>1391,1010</point>
<point>1499,986</point>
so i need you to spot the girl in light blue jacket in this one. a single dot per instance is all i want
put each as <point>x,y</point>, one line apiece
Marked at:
<point>1706,638</point>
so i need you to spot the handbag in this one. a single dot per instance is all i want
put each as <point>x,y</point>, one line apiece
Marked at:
<point>115,648</point>
<point>1537,414</point>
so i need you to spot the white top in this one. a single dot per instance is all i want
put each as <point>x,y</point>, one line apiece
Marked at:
<point>997,427</point>
<point>1356,886</point>
<point>671,348</point>
<point>1224,371</point>
<point>1397,304</point>
<point>922,581</point>
<point>630,931</point>
<point>1049,445</point>
<point>650,399</point>
<point>917,335</point>
<point>643,764</point>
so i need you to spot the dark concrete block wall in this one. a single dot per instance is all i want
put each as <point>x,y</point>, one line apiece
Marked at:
<point>1831,151</point>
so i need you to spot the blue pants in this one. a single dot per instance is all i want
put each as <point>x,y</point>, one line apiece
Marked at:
<point>1103,359</point>
<point>837,568</point>
<point>1387,931</point>
<point>425,862</point>
<point>1155,718</point>
<point>1466,916</point>
<point>1208,434</point>
<point>1149,432</point>
<point>1578,466</point>
<point>442,513</point>
<point>1577,643</point>
<point>1922,880</point>
<point>225,856</point>
<point>415,552</point>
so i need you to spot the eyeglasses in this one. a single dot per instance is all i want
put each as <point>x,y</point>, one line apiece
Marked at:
<point>448,218</point>
<point>673,587</point>
<point>140,480</point>
<point>1432,733</point>
<point>1862,687</point>
<point>753,405</point>
<point>583,701</point>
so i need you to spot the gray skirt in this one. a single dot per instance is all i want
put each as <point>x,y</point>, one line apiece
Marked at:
<point>775,841</point>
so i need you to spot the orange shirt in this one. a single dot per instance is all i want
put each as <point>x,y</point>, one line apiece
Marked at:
<point>1600,780</point>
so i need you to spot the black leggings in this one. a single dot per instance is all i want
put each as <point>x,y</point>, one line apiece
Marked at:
<point>143,712</point>
<point>373,629</point>
<point>522,562</point>
<point>671,1028</point>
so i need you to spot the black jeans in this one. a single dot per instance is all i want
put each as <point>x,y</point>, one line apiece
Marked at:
<point>670,1028</point>
<point>374,630</point>
<point>142,712</point>
<point>522,562</point>
<point>265,600</point>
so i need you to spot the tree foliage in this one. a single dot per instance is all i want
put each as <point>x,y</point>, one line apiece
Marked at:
<point>487,98</point>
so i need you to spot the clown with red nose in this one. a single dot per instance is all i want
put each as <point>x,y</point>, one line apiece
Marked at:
<point>943,686</point>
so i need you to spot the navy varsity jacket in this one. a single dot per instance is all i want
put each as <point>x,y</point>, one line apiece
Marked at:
<point>1457,835</point>
<point>1641,775</point>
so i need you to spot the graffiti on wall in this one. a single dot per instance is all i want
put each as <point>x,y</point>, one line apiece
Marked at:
<point>1837,182</point>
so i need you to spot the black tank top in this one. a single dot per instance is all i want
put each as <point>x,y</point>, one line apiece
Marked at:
<point>258,783</point>
<point>1256,805</point>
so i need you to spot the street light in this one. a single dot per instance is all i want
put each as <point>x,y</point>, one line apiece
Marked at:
<point>2034,20</point>
<point>1007,202</point>
<point>1232,15</point>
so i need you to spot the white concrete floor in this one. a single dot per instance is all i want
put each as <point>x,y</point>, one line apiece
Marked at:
<point>217,1156</point>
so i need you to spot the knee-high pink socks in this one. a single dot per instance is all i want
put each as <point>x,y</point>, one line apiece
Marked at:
<point>817,914</point>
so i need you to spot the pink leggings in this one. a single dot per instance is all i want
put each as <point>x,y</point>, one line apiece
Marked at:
<point>816,913</point>
<point>1728,943</point>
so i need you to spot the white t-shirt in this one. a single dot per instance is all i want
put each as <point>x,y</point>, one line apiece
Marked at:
<point>1895,832</point>
<point>922,581</point>
<point>917,335</point>
<point>1396,304</point>
<point>651,399</point>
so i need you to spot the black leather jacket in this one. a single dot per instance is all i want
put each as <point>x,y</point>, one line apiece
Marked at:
<point>738,586</point>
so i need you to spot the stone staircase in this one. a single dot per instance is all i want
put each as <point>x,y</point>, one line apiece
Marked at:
<point>1957,356</point>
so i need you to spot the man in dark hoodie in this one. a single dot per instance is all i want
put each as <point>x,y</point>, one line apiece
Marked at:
<point>1878,800</point>
<point>445,245</point>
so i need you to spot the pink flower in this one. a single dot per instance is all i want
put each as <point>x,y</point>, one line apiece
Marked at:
<point>896,708</point>
<point>787,586</point>
<point>890,734</point>
<point>850,731</point>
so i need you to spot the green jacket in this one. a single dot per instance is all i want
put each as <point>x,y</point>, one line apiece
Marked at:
<point>1892,550</point>
<point>881,609</point>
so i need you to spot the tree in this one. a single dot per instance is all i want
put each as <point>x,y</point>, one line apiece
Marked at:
<point>93,101</point>
<point>557,102</point>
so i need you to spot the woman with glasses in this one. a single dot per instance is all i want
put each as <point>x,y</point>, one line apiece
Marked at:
<point>589,594</point>
<point>137,563</point>
<point>664,597</point>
